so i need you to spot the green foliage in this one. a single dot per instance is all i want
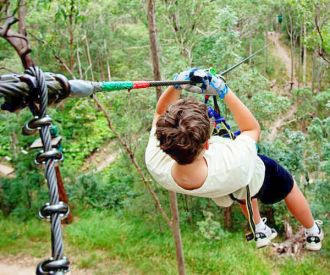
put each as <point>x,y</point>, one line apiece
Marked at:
<point>24,195</point>
<point>112,189</point>
<point>222,45</point>
<point>323,103</point>
<point>210,229</point>
<point>269,106</point>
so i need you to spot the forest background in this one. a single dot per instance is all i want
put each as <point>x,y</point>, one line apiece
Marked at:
<point>116,227</point>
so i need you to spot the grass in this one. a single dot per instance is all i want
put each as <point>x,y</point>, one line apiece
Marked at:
<point>112,243</point>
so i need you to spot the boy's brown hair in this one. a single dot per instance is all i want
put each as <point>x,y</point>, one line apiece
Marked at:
<point>183,130</point>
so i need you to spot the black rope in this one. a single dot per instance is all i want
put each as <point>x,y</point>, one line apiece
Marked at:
<point>55,210</point>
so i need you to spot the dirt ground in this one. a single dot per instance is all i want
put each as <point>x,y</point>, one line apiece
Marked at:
<point>26,265</point>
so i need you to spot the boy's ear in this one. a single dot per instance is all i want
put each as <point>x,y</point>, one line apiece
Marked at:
<point>206,145</point>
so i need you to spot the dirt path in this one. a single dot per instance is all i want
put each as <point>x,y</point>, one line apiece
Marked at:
<point>101,158</point>
<point>6,170</point>
<point>26,265</point>
<point>282,53</point>
<point>6,269</point>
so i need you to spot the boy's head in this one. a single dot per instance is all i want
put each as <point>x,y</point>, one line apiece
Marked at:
<point>183,130</point>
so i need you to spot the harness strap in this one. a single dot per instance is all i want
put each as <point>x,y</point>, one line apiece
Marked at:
<point>250,212</point>
<point>236,199</point>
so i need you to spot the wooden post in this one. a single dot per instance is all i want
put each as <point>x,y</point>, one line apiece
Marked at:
<point>62,194</point>
<point>175,224</point>
<point>153,44</point>
<point>176,233</point>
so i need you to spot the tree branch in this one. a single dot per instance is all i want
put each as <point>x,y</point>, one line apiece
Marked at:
<point>321,50</point>
<point>19,40</point>
<point>64,65</point>
<point>132,158</point>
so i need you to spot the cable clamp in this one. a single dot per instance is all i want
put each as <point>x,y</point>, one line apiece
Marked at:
<point>48,210</point>
<point>35,124</point>
<point>51,154</point>
<point>51,266</point>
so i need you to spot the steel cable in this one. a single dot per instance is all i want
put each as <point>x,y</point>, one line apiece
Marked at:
<point>54,265</point>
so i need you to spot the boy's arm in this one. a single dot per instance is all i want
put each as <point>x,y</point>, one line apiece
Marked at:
<point>245,120</point>
<point>170,95</point>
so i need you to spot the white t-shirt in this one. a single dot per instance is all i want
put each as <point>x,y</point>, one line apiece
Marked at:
<point>232,165</point>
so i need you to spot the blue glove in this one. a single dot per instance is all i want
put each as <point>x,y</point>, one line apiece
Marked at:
<point>199,78</point>
<point>217,87</point>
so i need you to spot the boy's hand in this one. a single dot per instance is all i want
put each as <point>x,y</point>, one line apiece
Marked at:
<point>200,80</point>
<point>217,87</point>
<point>203,83</point>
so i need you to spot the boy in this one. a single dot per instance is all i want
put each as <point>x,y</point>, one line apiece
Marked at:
<point>183,157</point>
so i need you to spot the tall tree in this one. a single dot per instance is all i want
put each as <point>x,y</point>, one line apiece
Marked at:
<point>154,44</point>
<point>175,221</point>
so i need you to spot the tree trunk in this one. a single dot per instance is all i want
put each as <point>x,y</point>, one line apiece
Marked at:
<point>79,64</point>
<point>26,57</point>
<point>71,37</point>
<point>304,54</point>
<point>153,44</point>
<point>292,53</point>
<point>319,77</point>
<point>107,58</point>
<point>227,217</point>
<point>175,227</point>
<point>313,69</point>
<point>176,233</point>
<point>301,54</point>
<point>101,69</point>
<point>250,48</point>
<point>266,48</point>
<point>108,71</point>
<point>89,59</point>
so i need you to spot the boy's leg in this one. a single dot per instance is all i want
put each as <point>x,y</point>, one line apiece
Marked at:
<point>279,184</point>
<point>299,208</point>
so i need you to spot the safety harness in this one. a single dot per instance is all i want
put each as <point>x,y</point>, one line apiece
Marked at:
<point>222,128</point>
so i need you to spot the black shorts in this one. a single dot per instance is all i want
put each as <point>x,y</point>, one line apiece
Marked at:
<point>277,184</point>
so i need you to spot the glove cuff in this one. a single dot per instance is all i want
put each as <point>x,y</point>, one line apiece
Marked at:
<point>176,86</point>
<point>222,93</point>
